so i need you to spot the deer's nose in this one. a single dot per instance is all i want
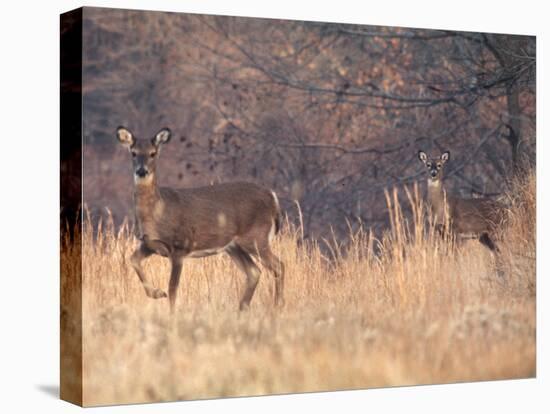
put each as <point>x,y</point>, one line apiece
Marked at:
<point>141,172</point>
<point>433,173</point>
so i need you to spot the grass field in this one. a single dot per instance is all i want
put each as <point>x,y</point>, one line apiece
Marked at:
<point>408,308</point>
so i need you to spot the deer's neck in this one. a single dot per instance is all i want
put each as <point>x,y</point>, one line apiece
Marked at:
<point>147,201</point>
<point>436,194</point>
<point>146,190</point>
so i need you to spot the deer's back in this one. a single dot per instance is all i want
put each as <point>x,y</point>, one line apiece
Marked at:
<point>476,215</point>
<point>202,217</point>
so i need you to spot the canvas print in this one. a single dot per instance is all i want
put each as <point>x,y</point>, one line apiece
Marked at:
<point>259,206</point>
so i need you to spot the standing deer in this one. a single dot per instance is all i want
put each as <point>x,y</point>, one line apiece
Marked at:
<point>477,217</point>
<point>240,219</point>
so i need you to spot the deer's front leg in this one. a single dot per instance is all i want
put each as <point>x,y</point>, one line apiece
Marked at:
<point>137,257</point>
<point>174,281</point>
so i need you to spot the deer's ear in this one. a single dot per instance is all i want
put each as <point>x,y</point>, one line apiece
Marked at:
<point>125,137</point>
<point>162,137</point>
<point>422,156</point>
<point>446,156</point>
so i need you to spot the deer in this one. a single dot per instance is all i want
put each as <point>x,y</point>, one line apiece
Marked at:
<point>466,218</point>
<point>238,218</point>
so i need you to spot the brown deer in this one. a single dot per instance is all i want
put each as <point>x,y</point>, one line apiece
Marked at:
<point>476,217</point>
<point>239,218</point>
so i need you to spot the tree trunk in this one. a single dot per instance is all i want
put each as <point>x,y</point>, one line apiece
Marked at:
<point>514,124</point>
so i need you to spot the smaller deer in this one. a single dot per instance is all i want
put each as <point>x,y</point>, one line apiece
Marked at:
<point>240,219</point>
<point>476,217</point>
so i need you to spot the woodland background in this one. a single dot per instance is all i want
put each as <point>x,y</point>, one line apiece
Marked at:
<point>327,115</point>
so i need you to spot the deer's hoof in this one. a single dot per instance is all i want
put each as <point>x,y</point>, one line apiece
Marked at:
<point>156,293</point>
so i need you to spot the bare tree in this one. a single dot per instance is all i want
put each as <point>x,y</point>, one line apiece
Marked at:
<point>325,113</point>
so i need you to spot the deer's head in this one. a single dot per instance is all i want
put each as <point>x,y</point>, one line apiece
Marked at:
<point>144,152</point>
<point>434,164</point>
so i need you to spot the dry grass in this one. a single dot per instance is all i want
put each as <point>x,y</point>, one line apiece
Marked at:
<point>406,309</point>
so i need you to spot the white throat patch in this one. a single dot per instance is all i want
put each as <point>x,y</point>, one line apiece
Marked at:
<point>143,180</point>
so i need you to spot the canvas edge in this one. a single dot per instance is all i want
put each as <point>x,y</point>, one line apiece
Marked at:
<point>70,35</point>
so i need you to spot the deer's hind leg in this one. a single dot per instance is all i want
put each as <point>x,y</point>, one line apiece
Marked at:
<point>257,245</point>
<point>486,240</point>
<point>142,252</point>
<point>252,272</point>
<point>276,266</point>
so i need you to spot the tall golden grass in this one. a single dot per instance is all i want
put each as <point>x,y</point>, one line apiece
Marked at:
<point>406,308</point>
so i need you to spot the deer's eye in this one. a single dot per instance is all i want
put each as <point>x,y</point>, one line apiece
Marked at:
<point>429,164</point>
<point>438,165</point>
<point>134,154</point>
<point>152,154</point>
